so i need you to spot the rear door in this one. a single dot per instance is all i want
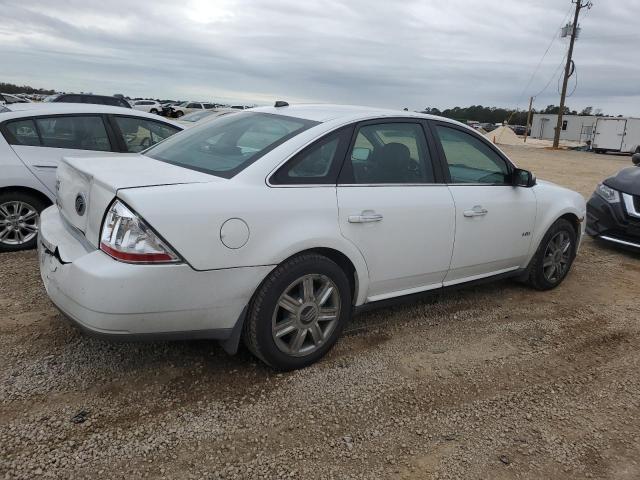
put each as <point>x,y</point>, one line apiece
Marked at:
<point>609,133</point>
<point>393,206</point>
<point>494,220</point>
<point>41,142</point>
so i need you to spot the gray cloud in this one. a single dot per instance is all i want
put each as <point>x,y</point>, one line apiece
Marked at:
<point>387,53</point>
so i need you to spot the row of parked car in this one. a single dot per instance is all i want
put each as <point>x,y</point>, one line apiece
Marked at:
<point>168,109</point>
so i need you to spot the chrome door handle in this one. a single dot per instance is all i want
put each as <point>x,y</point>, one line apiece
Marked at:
<point>476,211</point>
<point>367,216</point>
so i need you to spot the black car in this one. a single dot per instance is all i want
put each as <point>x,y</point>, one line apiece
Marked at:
<point>88,98</point>
<point>613,211</point>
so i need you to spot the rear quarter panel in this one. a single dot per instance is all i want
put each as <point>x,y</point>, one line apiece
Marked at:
<point>282,222</point>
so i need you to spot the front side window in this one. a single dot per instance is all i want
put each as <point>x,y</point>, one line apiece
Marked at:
<point>228,145</point>
<point>391,153</point>
<point>317,164</point>
<point>77,132</point>
<point>194,105</point>
<point>23,132</point>
<point>140,134</point>
<point>470,160</point>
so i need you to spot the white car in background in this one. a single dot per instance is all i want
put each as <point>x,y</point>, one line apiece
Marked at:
<point>199,116</point>
<point>187,107</point>
<point>275,224</point>
<point>150,106</point>
<point>33,139</point>
<point>8,99</point>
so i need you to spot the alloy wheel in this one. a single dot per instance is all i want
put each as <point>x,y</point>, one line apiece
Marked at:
<point>557,257</point>
<point>306,315</point>
<point>19,223</point>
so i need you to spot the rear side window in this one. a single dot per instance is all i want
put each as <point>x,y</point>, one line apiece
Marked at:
<point>391,153</point>
<point>140,134</point>
<point>23,132</point>
<point>77,132</point>
<point>317,164</point>
<point>228,145</point>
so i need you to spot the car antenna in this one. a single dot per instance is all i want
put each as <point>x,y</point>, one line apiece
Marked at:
<point>281,103</point>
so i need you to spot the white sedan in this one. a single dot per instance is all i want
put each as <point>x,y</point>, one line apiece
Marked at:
<point>274,225</point>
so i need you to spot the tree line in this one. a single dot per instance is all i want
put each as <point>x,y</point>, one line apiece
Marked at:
<point>12,88</point>
<point>498,115</point>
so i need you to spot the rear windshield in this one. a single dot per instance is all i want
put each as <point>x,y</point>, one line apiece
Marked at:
<point>229,144</point>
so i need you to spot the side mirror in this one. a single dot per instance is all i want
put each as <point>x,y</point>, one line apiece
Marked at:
<point>360,153</point>
<point>523,178</point>
<point>635,158</point>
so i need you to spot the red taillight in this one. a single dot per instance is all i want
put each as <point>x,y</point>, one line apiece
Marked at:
<point>136,257</point>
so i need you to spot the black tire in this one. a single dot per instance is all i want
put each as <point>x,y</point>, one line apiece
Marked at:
<point>257,334</point>
<point>32,202</point>
<point>153,110</point>
<point>178,114</point>
<point>536,271</point>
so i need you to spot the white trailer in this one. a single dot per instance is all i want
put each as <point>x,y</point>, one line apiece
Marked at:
<point>574,128</point>
<point>616,134</point>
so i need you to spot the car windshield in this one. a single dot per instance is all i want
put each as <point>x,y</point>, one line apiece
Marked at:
<point>51,98</point>
<point>195,116</point>
<point>229,144</point>
<point>183,104</point>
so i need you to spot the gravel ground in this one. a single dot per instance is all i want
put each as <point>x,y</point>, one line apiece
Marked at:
<point>495,382</point>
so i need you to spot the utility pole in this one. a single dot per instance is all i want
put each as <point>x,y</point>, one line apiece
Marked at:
<point>526,132</point>
<point>567,68</point>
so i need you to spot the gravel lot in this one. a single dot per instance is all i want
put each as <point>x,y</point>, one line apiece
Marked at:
<point>494,382</point>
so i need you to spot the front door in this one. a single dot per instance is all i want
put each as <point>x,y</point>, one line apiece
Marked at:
<point>494,220</point>
<point>392,207</point>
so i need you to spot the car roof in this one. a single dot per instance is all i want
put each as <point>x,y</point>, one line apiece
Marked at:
<point>327,112</point>
<point>18,110</point>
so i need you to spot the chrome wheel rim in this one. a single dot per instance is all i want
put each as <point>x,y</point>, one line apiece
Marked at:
<point>306,315</point>
<point>557,257</point>
<point>19,223</point>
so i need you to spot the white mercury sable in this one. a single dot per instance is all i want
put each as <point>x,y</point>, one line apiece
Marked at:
<point>274,225</point>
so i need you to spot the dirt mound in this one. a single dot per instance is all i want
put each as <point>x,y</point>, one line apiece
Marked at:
<point>504,136</point>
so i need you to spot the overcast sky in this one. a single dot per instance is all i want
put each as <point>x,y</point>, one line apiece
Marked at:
<point>374,52</point>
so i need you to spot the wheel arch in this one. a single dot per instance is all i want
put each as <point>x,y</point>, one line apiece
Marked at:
<point>31,191</point>
<point>357,278</point>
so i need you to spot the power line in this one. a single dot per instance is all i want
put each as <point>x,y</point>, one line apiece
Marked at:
<point>553,39</point>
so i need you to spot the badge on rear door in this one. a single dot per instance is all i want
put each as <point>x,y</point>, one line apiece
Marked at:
<point>81,204</point>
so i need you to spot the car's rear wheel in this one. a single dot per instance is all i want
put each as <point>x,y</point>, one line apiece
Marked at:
<point>19,221</point>
<point>298,312</point>
<point>554,257</point>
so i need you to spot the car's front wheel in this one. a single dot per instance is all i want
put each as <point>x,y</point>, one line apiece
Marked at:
<point>153,110</point>
<point>554,257</point>
<point>178,114</point>
<point>298,312</point>
<point>19,221</point>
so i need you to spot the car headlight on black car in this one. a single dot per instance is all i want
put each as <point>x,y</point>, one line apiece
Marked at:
<point>608,193</point>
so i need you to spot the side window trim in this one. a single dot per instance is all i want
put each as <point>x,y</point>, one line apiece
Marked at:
<point>346,177</point>
<point>344,133</point>
<point>431,125</point>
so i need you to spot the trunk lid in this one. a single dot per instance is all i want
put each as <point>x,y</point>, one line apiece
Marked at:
<point>86,186</point>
